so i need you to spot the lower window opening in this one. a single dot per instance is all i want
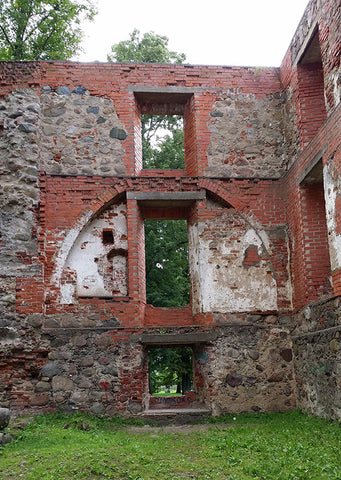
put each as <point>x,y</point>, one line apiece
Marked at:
<point>170,377</point>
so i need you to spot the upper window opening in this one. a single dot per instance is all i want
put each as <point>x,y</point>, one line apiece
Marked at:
<point>164,127</point>
<point>312,54</point>
<point>162,142</point>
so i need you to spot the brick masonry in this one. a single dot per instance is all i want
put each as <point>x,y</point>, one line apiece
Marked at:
<point>261,195</point>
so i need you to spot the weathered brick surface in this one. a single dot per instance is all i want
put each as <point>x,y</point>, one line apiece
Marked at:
<point>263,164</point>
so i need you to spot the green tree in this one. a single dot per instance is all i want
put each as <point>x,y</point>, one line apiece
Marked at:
<point>42,29</point>
<point>167,150</point>
<point>150,48</point>
<point>167,275</point>
<point>170,366</point>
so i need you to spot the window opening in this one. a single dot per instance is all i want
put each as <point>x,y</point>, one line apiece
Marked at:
<point>162,142</point>
<point>316,257</point>
<point>170,371</point>
<point>167,269</point>
<point>311,101</point>
<point>107,237</point>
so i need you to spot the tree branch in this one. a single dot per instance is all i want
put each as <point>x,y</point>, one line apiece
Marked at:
<point>36,27</point>
<point>5,35</point>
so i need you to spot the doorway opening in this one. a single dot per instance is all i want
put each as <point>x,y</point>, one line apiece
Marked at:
<point>170,377</point>
<point>170,371</point>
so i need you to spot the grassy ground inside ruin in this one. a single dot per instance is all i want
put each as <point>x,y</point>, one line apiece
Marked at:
<point>264,447</point>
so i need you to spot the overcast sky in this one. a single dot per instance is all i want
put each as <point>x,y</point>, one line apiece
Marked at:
<point>214,32</point>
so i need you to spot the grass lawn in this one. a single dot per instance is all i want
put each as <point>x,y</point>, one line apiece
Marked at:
<point>263,446</point>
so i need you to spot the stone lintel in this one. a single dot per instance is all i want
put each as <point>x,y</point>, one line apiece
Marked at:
<point>178,339</point>
<point>310,174</point>
<point>163,95</point>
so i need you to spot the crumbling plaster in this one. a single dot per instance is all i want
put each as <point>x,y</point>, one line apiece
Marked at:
<point>332,189</point>
<point>98,273</point>
<point>222,282</point>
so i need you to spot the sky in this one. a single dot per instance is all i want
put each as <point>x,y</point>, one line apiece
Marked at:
<point>214,32</point>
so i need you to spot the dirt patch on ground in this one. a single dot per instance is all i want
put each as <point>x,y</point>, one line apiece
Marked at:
<point>177,428</point>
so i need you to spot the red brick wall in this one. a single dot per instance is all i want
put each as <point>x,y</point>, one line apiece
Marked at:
<point>311,110</point>
<point>328,137</point>
<point>315,249</point>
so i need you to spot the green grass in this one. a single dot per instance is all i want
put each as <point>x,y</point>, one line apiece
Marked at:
<point>268,446</point>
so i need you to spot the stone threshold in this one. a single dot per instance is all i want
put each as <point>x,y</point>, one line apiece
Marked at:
<point>176,411</point>
<point>176,416</point>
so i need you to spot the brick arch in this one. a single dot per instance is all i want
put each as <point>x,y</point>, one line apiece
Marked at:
<point>110,194</point>
<point>94,208</point>
<point>222,193</point>
<point>240,206</point>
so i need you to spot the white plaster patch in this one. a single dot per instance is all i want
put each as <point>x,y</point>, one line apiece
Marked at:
<point>332,188</point>
<point>69,240</point>
<point>223,283</point>
<point>252,238</point>
<point>98,271</point>
<point>67,292</point>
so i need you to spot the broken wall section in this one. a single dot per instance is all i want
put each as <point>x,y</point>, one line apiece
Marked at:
<point>238,264</point>
<point>232,268</point>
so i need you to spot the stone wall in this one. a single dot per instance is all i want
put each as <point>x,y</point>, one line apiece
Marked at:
<point>246,136</point>
<point>251,369</point>
<point>246,367</point>
<point>318,358</point>
<point>80,134</point>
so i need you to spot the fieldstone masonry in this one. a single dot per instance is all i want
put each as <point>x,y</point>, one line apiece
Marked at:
<point>80,134</point>
<point>260,192</point>
<point>245,145</point>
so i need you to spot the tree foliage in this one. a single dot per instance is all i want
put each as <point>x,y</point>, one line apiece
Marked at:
<point>42,29</point>
<point>170,366</point>
<point>150,48</point>
<point>167,275</point>
<point>162,142</point>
